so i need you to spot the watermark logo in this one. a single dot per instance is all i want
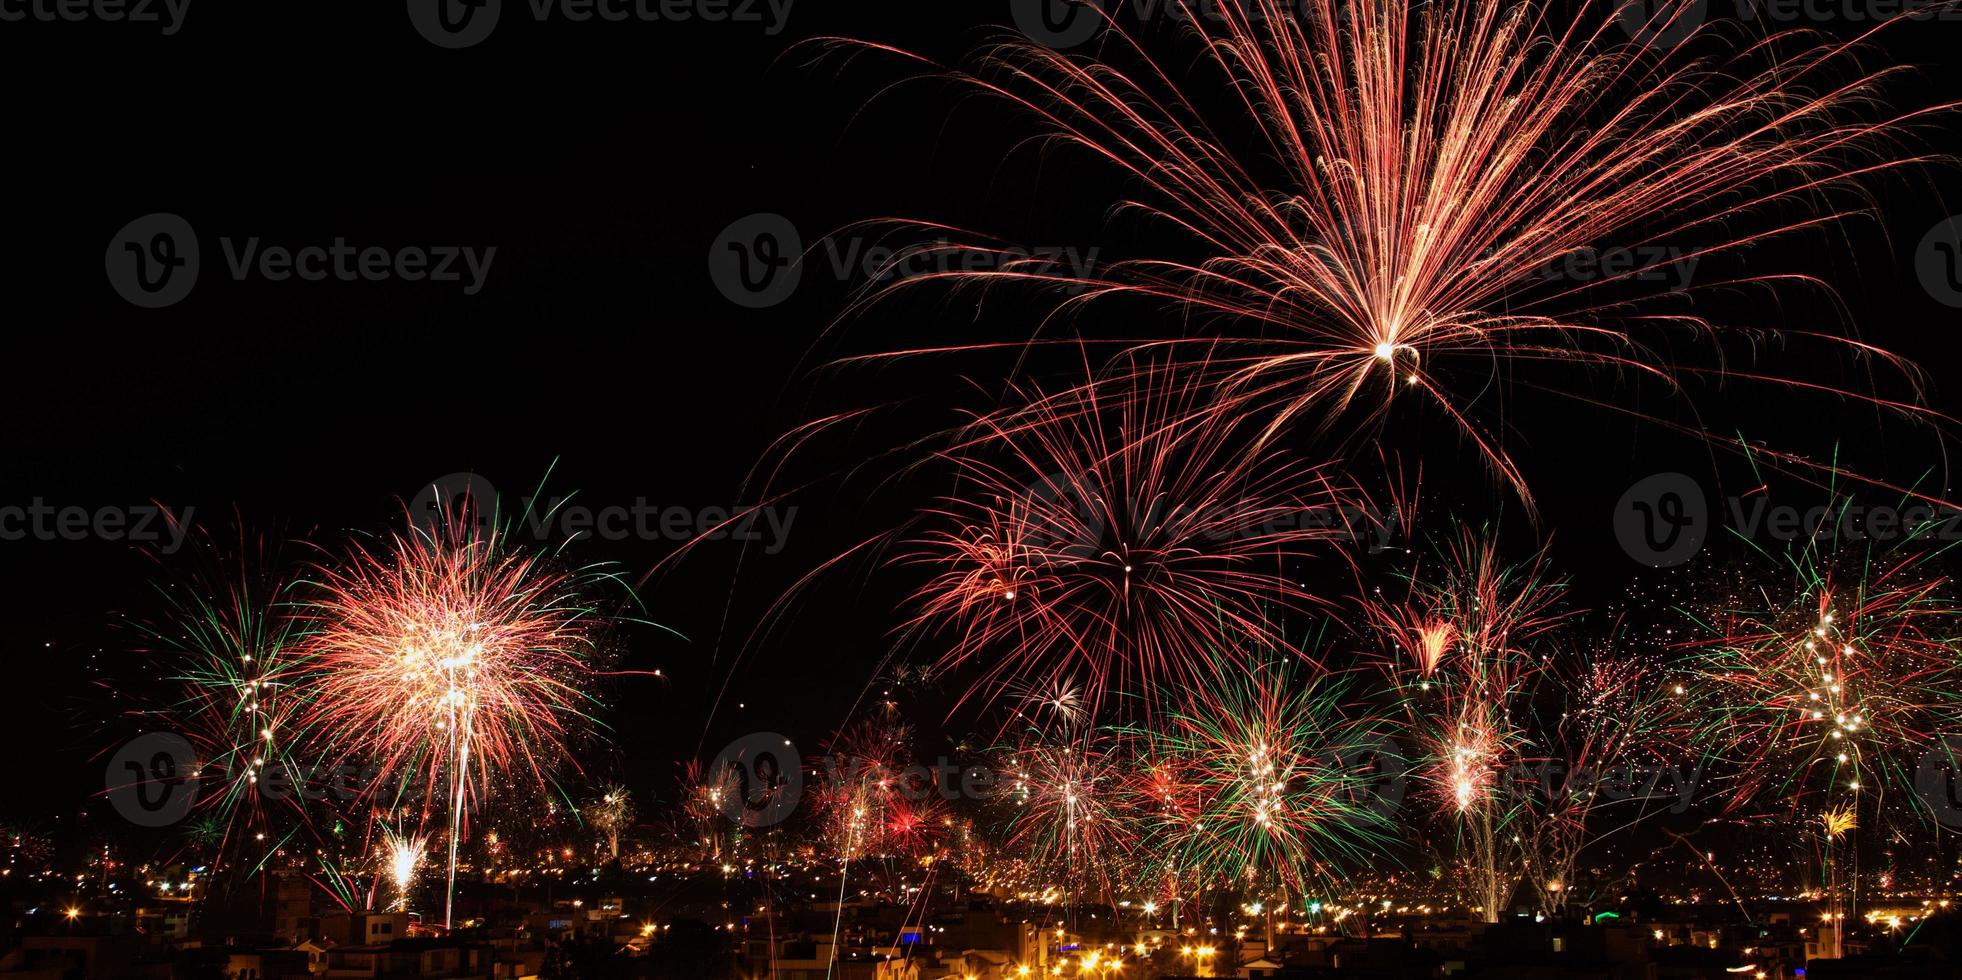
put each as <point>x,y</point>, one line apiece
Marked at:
<point>1661,24</point>
<point>1847,11</point>
<point>766,779</point>
<point>758,261</point>
<point>1662,521</point>
<point>915,782</point>
<point>153,261</point>
<point>1938,261</point>
<point>455,24</point>
<point>1671,265</point>
<point>1062,516</point>
<point>1382,774</point>
<point>1059,24</point>
<point>155,780</point>
<point>464,497</point>
<point>169,13</point>
<point>1665,519</point>
<point>1934,782</point>
<point>1069,515</point>
<point>1557,783</point>
<point>761,781</point>
<point>150,780</point>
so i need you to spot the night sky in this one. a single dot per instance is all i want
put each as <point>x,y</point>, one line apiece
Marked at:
<point>602,161</point>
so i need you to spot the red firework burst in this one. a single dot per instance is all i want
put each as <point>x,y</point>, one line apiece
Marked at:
<point>1117,544</point>
<point>1377,195</point>
<point>449,654</point>
<point>1835,674</point>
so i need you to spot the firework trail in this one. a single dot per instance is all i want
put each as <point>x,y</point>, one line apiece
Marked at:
<point>1823,681</point>
<point>1375,190</point>
<point>1105,549</point>
<point>230,643</point>
<point>1072,812</point>
<point>611,815</point>
<point>1269,779</point>
<point>1463,658</point>
<point>1599,735</point>
<point>454,658</point>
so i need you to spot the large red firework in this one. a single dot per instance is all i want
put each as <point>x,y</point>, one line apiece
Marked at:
<point>1096,548</point>
<point>450,646</point>
<point>1376,191</point>
<point>448,659</point>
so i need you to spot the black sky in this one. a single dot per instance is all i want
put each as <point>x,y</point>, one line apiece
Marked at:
<point>602,160</point>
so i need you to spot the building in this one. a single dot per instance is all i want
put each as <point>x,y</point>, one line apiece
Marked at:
<point>449,959</point>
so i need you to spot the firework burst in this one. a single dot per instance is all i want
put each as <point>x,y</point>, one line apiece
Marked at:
<point>1072,812</point>
<point>231,645</point>
<point>451,658</point>
<point>403,856</point>
<point>708,795</point>
<point>1377,196</point>
<point>1832,675</point>
<point>1269,779</point>
<point>1602,752</point>
<point>612,814</point>
<point>1463,660</point>
<point>1114,544</point>
<point>1821,683</point>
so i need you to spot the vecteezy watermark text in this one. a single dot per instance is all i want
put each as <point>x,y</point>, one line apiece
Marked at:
<point>168,13</point>
<point>1553,781</point>
<point>155,260</point>
<point>1065,24</point>
<point>1671,265</point>
<point>570,518</point>
<point>39,520</point>
<point>758,779</point>
<point>464,23</point>
<point>1216,520</point>
<point>1663,24</point>
<point>153,780</point>
<point>1665,519</point>
<point>759,261</point>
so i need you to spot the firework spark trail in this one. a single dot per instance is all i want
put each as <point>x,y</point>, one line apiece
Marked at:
<point>1822,683</point>
<point>231,645</point>
<point>1112,545</point>
<point>404,854</point>
<point>1432,160</point>
<point>1613,713</point>
<point>860,799</point>
<point>1466,704</point>
<point>451,656</point>
<point>1267,779</point>
<point>1834,674</point>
